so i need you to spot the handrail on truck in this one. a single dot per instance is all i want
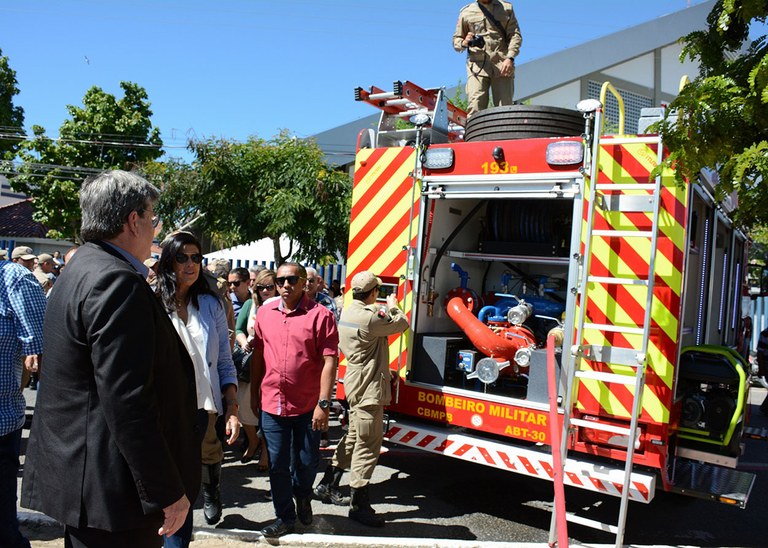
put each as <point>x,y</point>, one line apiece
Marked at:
<point>607,86</point>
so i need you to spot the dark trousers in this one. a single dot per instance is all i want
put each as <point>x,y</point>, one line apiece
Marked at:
<point>294,454</point>
<point>87,537</point>
<point>10,536</point>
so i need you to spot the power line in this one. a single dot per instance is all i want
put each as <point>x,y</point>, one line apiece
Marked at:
<point>117,144</point>
<point>51,167</point>
<point>116,136</point>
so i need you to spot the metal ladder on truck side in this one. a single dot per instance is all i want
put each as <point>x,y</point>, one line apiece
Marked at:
<point>447,121</point>
<point>611,197</point>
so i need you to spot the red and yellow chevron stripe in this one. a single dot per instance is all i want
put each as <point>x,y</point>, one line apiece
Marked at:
<point>628,163</point>
<point>384,220</point>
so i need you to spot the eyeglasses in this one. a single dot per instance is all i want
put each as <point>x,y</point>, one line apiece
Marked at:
<point>154,219</point>
<point>182,258</point>
<point>292,280</point>
<point>265,287</point>
<point>235,283</point>
<point>311,280</point>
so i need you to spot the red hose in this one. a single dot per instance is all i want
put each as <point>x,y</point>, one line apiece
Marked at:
<point>495,345</point>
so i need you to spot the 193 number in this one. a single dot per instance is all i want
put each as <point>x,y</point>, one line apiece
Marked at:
<point>496,168</point>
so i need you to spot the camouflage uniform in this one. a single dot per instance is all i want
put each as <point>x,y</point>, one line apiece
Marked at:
<point>483,64</point>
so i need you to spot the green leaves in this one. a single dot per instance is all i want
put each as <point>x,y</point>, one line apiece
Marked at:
<point>723,113</point>
<point>243,192</point>
<point>104,133</point>
<point>11,116</point>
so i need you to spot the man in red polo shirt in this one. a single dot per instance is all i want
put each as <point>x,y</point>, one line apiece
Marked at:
<point>293,371</point>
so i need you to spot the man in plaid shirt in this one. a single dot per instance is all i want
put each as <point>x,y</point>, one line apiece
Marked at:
<point>22,307</point>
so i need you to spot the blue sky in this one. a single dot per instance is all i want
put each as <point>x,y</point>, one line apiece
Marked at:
<point>225,68</point>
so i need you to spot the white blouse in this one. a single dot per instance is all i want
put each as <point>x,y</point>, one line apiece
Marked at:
<point>193,337</point>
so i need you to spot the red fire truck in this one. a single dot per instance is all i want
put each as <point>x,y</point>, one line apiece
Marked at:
<point>525,223</point>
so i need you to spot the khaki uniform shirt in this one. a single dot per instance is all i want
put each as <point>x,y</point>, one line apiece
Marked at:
<point>363,332</point>
<point>486,61</point>
<point>43,278</point>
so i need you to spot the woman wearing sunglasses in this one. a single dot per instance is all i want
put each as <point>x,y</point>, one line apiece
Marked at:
<point>264,288</point>
<point>200,320</point>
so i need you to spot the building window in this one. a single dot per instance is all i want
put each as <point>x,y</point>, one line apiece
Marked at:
<point>633,103</point>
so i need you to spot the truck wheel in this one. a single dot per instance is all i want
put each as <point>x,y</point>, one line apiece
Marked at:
<point>523,122</point>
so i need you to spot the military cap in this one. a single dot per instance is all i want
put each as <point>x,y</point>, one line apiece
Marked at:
<point>365,281</point>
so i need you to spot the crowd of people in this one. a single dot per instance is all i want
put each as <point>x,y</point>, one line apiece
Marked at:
<point>150,366</point>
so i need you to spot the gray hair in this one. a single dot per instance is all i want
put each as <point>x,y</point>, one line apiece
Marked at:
<point>107,199</point>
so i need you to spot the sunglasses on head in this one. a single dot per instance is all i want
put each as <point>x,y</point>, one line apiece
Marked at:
<point>265,287</point>
<point>292,280</point>
<point>182,258</point>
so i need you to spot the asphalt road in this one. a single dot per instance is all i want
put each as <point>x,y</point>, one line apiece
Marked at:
<point>425,497</point>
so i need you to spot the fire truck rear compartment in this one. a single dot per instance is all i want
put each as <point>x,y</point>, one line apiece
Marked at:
<point>511,251</point>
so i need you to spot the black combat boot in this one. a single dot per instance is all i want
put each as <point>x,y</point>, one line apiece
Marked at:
<point>360,509</point>
<point>328,489</point>
<point>212,493</point>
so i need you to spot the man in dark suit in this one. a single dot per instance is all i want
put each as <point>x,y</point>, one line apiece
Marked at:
<point>113,452</point>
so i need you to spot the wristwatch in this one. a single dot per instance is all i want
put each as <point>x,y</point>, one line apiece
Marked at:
<point>324,404</point>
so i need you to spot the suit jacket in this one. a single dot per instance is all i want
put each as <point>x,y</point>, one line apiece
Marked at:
<point>114,437</point>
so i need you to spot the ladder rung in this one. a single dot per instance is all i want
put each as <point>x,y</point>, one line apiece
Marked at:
<point>399,102</point>
<point>592,523</point>
<point>618,186</point>
<point>615,328</point>
<point>383,95</point>
<point>604,376</point>
<point>412,112</point>
<point>623,233</point>
<point>627,204</point>
<point>622,430</point>
<point>613,354</point>
<point>616,281</point>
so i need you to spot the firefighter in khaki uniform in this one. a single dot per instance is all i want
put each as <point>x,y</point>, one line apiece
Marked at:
<point>364,328</point>
<point>488,29</point>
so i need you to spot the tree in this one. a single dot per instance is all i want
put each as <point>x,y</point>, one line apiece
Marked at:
<point>105,133</point>
<point>11,116</point>
<point>242,192</point>
<point>723,113</point>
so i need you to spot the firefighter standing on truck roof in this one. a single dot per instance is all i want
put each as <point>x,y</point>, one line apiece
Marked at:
<point>488,29</point>
<point>364,327</point>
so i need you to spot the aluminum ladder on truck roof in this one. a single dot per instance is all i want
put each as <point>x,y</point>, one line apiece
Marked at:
<point>446,120</point>
<point>611,197</point>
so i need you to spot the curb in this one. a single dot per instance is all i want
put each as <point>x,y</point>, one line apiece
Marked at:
<point>313,540</point>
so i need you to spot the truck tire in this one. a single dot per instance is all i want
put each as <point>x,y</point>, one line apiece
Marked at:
<point>523,122</point>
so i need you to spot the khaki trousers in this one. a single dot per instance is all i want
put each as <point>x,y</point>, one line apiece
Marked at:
<point>477,91</point>
<point>360,447</point>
